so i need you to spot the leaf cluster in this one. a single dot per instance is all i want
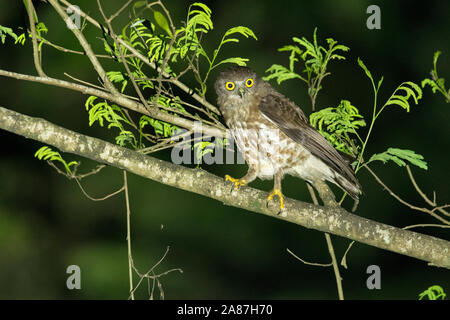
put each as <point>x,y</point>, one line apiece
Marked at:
<point>315,60</point>
<point>433,293</point>
<point>437,84</point>
<point>184,43</point>
<point>338,124</point>
<point>46,153</point>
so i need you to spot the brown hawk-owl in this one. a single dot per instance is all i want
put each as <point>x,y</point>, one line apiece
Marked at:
<point>275,136</point>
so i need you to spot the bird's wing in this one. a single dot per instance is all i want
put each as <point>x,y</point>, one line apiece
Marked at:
<point>293,122</point>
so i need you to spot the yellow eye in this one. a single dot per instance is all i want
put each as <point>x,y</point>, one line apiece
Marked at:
<point>229,85</point>
<point>249,83</point>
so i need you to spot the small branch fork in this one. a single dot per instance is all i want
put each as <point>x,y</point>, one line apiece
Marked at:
<point>435,207</point>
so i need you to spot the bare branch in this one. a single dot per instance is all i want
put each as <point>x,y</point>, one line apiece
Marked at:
<point>120,100</point>
<point>424,196</point>
<point>344,257</point>
<point>430,212</point>
<point>98,199</point>
<point>113,16</point>
<point>86,46</point>
<point>309,263</point>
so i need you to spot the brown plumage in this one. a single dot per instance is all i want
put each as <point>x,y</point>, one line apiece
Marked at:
<point>275,136</point>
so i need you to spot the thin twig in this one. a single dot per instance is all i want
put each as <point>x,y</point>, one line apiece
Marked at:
<point>309,263</point>
<point>67,50</point>
<point>328,200</point>
<point>344,257</point>
<point>36,56</point>
<point>98,199</point>
<point>150,274</point>
<point>424,196</point>
<point>78,178</point>
<point>335,266</point>
<point>423,225</point>
<point>86,46</point>
<point>112,17</point>
<point>430,212</point>
<point>94,171</point>
<point>130,256</point>
<point>130,75</point>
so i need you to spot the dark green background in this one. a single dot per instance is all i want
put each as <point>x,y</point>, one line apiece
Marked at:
<point>47,224</point>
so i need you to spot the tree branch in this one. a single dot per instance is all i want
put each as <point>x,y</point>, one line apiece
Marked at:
<point>333,220</point>
<point>86,46</point>
<point>120,100</point>
<point>37,62</point>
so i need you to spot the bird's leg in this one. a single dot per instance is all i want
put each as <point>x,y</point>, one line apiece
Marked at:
<point>277,189</point>
<point>249,177</point>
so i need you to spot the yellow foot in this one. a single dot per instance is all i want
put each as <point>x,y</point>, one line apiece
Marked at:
<point>237,182</point>
<point>277,192</point>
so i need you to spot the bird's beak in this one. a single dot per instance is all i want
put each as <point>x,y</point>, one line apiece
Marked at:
<point>241,92</point>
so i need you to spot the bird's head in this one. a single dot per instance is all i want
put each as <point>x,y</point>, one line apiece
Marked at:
<point>236,84</point>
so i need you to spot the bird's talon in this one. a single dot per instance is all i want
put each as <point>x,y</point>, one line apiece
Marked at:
<point>237,182</point>
<point>276,192</point>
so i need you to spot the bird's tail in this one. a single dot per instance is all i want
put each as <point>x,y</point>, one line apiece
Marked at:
<point>352,188</point>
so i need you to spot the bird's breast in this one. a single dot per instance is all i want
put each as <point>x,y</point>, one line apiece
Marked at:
<point>264,147</point>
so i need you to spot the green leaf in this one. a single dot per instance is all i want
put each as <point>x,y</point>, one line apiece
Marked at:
<point>41,28</point>
<point>399,156</point>
<point>379,83</point>
<point>161,128</point>
<point>202,148</point>
<point>433,293</point>
<point>7,31</point>
<point>337,124</point>
<point>117,77</point>
<point>246,32</point>
<point>162,22</point>
<point>236,60</point>
<point>113,116</point>
<point>410,89</point>
<point>280,73</point>
<point>47,154</point>
<point>437,84</point>
<point>138,4</point>
<point>363,66</point>
<point>431,83</point>
<point>315,59</point>
<point>435,57</point>
<point>200,20</point>
<point>21,39</point>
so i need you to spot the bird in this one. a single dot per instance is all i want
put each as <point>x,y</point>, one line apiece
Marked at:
<point>275,137</point>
